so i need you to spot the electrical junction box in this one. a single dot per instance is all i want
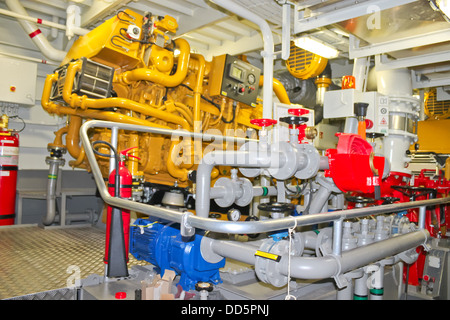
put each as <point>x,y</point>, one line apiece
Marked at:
<point>339,104</point>
<point>281,129</point>
<point>234,78</point>
<point>18,83</point>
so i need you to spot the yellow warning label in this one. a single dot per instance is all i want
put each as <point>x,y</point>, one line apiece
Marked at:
<point>268,255</point>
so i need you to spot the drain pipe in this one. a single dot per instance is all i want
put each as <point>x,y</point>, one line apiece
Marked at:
<point>54,161</point>
<point>267,54</point>
<point>35,33</point>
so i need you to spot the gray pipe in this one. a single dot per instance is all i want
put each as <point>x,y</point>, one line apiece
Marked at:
<point>320,267</point>
<point>231,158</point>
<point>244,227</point>
<point>51,189</point>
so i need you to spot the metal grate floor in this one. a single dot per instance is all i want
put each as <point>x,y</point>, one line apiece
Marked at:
<point>33,259</point>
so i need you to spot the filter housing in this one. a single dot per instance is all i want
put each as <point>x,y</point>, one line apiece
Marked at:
<point>94,80</point>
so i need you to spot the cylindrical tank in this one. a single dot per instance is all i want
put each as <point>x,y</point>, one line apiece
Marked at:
<point>9,163</point>
<point>125,191</point>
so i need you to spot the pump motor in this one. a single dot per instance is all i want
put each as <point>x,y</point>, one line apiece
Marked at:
<point>162,245</point>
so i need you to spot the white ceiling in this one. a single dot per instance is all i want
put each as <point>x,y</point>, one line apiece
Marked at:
<point>212,30</point>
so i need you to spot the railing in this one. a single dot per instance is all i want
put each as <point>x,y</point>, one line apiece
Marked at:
<point>190,221</point>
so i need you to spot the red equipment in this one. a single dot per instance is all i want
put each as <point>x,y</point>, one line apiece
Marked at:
<point>125,191</point>
<point>9,161</point>
<point>353,166</point>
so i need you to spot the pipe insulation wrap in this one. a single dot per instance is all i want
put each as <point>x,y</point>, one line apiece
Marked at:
<point>36,35</point>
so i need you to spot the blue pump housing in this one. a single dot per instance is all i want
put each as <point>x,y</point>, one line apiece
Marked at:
<point>161,244</point>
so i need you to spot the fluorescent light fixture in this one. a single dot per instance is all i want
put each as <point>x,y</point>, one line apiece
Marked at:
<point>316,46</point>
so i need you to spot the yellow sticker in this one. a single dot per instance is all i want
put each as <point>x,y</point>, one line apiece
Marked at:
<point>268,255</point>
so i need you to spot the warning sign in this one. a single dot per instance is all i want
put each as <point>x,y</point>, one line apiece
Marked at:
<point>383,121</point>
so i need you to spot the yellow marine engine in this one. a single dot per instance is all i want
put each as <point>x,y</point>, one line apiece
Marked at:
<point>130,70</point>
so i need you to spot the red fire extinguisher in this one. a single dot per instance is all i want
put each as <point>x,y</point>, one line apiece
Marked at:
<point>9,163</point>
<point>125,191</point>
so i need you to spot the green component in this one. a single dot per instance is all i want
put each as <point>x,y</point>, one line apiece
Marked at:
<point>377,292</point>
<point>53,176</point>
<point>357,297</point>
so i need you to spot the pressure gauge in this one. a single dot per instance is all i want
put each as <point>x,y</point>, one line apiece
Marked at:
<point>251,78</point>
<point>234,215</point>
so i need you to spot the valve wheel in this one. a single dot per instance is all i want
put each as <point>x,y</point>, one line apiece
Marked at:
<point>263,122</point>
<point>294,120</point>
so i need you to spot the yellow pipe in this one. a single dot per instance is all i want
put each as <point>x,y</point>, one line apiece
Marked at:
<point>158,77</point>
<point>84,102</point>
<point>73,137</point>
<point>52,107</point>
<point>279,90</point>
<point>198,90</point>
<point>133,163</point>
<point>57,142</point>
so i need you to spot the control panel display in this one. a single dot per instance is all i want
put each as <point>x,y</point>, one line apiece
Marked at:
<point>236,79</point>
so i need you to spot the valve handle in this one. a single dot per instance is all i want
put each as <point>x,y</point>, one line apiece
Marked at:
<point>263,122</point>
<point>126,151</point>
<point>298,112</point>
<point>294,120</point>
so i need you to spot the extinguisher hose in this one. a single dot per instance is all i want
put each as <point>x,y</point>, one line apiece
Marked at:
<point>116,160</point>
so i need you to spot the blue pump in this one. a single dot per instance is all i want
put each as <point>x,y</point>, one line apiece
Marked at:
<point>162,245</point>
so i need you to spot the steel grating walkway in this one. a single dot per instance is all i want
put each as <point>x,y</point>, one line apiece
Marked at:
<point>33,259</point>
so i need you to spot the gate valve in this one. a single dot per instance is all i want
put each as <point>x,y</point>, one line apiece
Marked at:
<point>294,120</point>
<point>298,112</point>
<point>263,122</point>
<point>297,124</point>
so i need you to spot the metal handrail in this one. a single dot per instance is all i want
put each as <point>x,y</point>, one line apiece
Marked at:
<point>248,227</point>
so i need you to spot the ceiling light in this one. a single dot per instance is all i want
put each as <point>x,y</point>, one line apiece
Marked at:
<point>317,47</point>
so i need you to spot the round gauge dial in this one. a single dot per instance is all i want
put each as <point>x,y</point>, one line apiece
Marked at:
<point>251,78</point>
<point>234,215</point>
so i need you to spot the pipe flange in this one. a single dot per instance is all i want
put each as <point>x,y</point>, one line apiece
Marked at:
<point>55,160</point>
<point>250,172</point>
<point>247,193</point>
<point>287,170</point>
<point>312,157</point>
<point>229,196</point>
<point>324,239</point>
<point>267,268</point>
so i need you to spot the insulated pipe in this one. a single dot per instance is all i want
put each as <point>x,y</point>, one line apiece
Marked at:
<point>35,33</point>
<point>268,53</point>
<point>241,227</point>
<point>51,24</point>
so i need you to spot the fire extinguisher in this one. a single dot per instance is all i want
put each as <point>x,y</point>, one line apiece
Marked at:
<point>9,163</point>
<point>125,191</point>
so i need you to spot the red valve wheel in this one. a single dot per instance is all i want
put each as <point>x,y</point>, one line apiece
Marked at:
<point>298,112</point>
<point>263,122</point>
